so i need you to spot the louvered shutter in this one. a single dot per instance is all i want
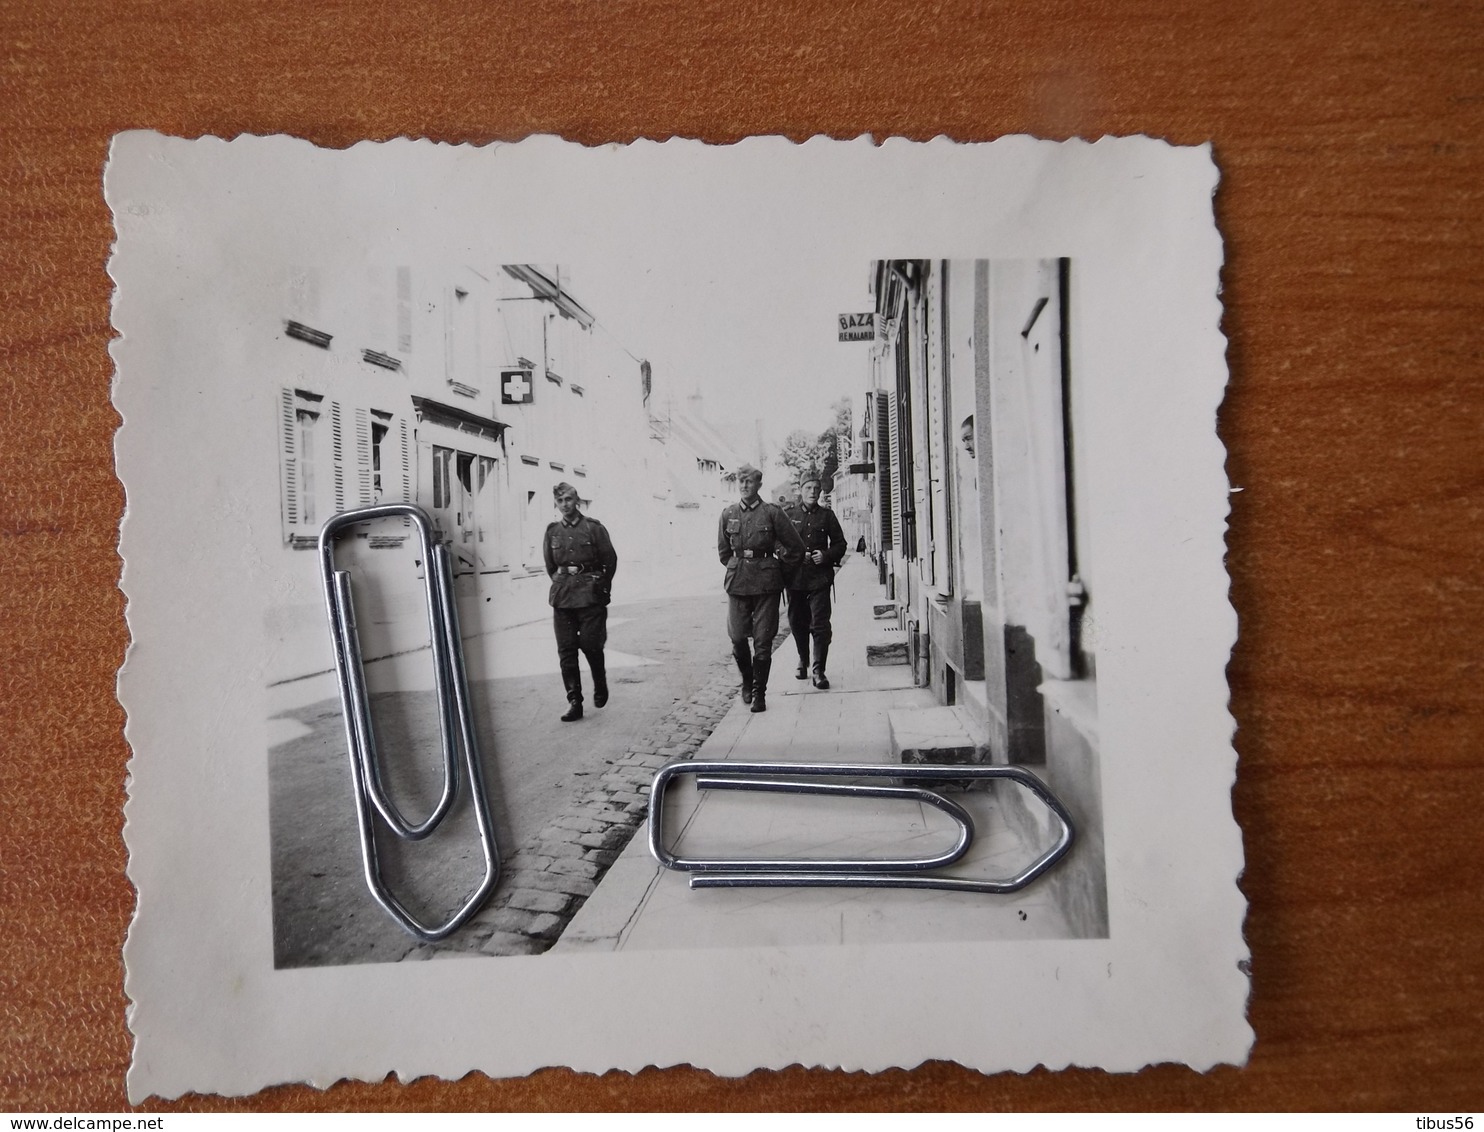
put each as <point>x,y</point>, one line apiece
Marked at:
<point>288,453</point>
<point>894,436</point>
<point>337,454</point>
<point>884,483</point>
<point>364,483</point>
<point>404,446</point>
<point>405,441</point>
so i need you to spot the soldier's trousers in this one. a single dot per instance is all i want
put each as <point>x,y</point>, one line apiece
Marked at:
<point>754,615</point>
<point>582,630</point>
<point>809,616</point>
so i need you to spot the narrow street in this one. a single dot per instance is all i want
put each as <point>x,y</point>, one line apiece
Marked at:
<point>662,656</point>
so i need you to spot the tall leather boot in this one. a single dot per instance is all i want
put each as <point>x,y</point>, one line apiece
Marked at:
<point>760,667</point>
<point>600,677</point>
<point>572,682</point>
<point>802,672</point>
<point>821,654</point>
<point>743,655</point>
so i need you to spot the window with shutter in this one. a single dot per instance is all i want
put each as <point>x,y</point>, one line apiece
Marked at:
<point>298,417</point>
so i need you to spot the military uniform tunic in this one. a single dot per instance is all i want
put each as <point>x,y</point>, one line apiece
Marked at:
<point>818,529</point>
<point>809,588</point>
<point>759,547</point>
<point>581,563</point>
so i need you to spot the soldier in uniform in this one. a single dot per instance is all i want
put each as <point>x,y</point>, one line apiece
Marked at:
<point>809,589</point>
<point>758,546</point>
<point>581,563</point>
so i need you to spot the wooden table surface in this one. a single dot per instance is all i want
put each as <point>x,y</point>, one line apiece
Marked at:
<point>1349,141</point>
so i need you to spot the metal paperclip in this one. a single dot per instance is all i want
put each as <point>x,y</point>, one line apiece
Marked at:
<point>455,718</point>
<point>849,872</point>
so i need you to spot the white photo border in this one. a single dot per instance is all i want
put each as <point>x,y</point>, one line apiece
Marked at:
<point>208,1010</point>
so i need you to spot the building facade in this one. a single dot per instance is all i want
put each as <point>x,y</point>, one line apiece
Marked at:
<point>699,479</point>
<point>853,496</point>
<point>471,393</point>
<point>967,452</point>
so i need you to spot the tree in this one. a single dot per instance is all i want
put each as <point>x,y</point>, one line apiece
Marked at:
<point>831,439</point>
<point>831,463</point>
<point>805,456</point>
<point>842,411</point>
<point>802,456</point>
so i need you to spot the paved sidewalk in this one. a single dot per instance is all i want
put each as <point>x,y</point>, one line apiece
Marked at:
<point>639,905</point>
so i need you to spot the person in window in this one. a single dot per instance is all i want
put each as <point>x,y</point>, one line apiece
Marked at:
<point>581,562</point>
<point>757,544</point>
<point>809,589</point>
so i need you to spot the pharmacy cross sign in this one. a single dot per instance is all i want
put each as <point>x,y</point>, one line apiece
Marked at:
<point>516,387</point>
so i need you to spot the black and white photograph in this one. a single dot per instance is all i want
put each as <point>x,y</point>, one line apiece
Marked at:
<point>578,464</point>
<point>775,582</point>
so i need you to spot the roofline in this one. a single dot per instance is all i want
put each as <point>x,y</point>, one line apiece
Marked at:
<point>548,288</point>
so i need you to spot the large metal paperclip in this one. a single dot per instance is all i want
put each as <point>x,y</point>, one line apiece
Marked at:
<point>850,872</point>
<point>455,718</point>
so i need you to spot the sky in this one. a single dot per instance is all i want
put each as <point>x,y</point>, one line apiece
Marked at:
<point>759,339</point>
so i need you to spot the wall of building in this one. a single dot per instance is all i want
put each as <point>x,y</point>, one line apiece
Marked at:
<point>389,389</point>
<point>987,557</point>
<point>698,478</point>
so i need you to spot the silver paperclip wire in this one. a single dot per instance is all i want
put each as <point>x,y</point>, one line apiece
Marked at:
<point>849,872</point>
<point>455,717</point>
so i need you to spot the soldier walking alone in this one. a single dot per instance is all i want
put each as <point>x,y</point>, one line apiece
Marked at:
<point>809,590</point>
<point>580,561</point>
<point>758,546</point>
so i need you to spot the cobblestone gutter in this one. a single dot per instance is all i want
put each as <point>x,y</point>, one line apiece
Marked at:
<point>546,880</point>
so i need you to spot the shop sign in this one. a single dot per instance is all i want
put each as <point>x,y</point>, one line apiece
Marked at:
<point>516,387</point>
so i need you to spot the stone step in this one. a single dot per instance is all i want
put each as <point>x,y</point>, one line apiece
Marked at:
<point>950,735</point>
<point>885,648</point>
